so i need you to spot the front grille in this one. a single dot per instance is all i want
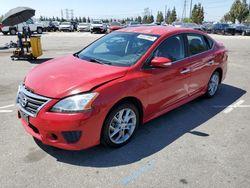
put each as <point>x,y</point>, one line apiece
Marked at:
<point>30,103</point>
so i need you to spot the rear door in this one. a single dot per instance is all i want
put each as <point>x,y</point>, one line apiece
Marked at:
<point>201,58</point>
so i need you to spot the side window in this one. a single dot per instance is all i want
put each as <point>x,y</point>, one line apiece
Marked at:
<point>29,21</point>
<point>196,44</point>
<point>172,48</point>
<point>210,42</point>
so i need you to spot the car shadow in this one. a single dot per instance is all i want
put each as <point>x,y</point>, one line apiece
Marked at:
<point>39,61</point>
<point>154,135</point>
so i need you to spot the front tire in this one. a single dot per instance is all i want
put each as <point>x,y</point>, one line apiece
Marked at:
<point>120,125</point>
<point>39,30</point>
<point>213,84</point>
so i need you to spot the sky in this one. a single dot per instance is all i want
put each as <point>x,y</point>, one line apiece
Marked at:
<point>214,9</point>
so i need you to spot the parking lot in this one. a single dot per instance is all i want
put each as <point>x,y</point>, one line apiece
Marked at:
<point>204,143</point>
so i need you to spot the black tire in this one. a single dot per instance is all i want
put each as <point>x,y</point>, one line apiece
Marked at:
<point>105,137</point>
<point>210,93</point>
<point>5,33</point>
<point>12,31</point>
<point>39,30</point>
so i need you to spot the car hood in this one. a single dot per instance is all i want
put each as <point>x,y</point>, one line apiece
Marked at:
<point>69,75</point>
<point>97,25</point>
<point>115,27</point>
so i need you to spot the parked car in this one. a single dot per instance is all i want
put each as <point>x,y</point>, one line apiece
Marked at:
<point>240,29</point>
<point>114,26</point>
<point>222,28</point>
<point>53,26</point>
<point>97,26</point>
<point>192,26</point>
<point>177,24</point>
<point>1,25</point>
<point>133,24</point>
<point>75,24</point>
<point>246,31</point>
<point>124,79</point>
<point>34,27</point>
<point>66,26</point>
<point>207,27</point>
<point>83,27</point>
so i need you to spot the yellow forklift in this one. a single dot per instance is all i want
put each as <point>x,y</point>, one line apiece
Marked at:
<point>28,46</point>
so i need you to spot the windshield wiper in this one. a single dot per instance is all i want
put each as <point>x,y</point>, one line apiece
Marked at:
<point>76,55</point>
<point>99,61</point>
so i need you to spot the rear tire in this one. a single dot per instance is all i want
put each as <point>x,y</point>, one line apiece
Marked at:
<point>213,84</point>
<point>13,31</point>
<point>120,125</point>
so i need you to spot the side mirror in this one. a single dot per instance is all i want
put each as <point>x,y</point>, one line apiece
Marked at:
<point>161,62</point>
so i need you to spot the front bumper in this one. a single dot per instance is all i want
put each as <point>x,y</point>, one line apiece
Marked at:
<point>67,131</point>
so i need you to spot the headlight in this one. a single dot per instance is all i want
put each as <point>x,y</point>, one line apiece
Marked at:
<point>77,103</point>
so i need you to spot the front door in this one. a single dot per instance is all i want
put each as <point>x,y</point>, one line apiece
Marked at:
<point>168,85</point>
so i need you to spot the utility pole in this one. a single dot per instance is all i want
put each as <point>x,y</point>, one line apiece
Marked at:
<point>62,13</point>
<point>184,9</point>
<point>67,14</point>
<point>191,7</point>
<point>72,14</point>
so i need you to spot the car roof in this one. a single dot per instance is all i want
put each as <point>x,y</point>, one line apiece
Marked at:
<point>155,30</point>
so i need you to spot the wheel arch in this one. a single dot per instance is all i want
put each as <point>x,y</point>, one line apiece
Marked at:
<point>135,101</point>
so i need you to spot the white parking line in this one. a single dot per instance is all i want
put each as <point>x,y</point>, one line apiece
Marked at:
<point>230,108</point>
<point>6,111</point>
<point>8,106</point>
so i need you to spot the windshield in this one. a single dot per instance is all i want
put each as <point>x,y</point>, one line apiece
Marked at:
<point>115,24</point>
<point>118,48</point>
<point>97,22</point>
<point>65,23</point>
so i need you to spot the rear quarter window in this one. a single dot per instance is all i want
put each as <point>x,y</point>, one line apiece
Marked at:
<point>209,41</point>
<point>196,44</point>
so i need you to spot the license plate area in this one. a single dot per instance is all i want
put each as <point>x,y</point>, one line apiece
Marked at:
<point>24,116</point>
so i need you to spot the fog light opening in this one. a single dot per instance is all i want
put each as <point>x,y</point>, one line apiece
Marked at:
<point>53,137</point>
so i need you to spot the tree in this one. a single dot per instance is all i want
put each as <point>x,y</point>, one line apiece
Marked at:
<point>144,19</point>
<point>41,18</point>
<point>1,18</point>
<point>80,19</point>
<point>88,20</point>
<point>139,19</point>
<point>228,18</point>
<point>150,19</point>
<point>167,19</point>
<point>159,17</point>
<point>239,10</point>
<point>84,19</point>
<point>198,14</point>
<point>173,16</point>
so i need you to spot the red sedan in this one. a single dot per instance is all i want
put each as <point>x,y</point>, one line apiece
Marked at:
<point>114,26</point>
<point>131,76</point>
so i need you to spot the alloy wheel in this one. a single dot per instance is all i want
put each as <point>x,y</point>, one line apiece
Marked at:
<point>122,126</point>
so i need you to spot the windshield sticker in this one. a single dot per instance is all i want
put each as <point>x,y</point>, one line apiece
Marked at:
<point>147,37</point>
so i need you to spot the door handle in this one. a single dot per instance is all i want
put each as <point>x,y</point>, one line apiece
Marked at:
<point>211,62</point>
<point>185,71</point>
